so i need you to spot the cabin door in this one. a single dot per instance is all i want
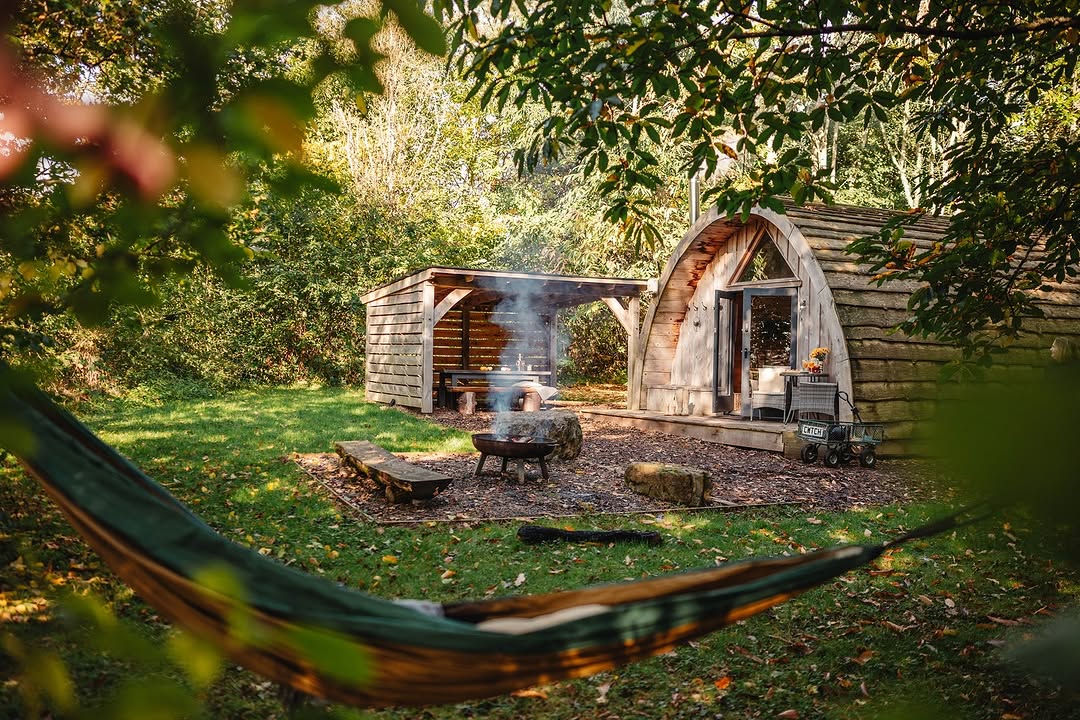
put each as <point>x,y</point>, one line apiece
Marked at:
<point>725,351</point>
<point>769,329</point>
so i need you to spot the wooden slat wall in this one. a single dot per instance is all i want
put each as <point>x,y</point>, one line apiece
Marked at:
<point>667,315</point>
<point>394,362</point>
<point>692,364</point>
<point>893,379</point>
<point>491,335</point>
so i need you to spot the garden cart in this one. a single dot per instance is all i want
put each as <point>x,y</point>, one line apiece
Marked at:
<point>843,441</point>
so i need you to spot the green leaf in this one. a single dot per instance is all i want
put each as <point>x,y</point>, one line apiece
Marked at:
<point>334,655</point>
<point>147,698</point>
<point>44,673</point>
<point>199,659</point>
<point>422,28</point>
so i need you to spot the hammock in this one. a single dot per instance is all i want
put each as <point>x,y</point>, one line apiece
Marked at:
<point>274,620</point>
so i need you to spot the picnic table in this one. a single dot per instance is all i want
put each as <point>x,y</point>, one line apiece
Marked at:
<point>457,380</point>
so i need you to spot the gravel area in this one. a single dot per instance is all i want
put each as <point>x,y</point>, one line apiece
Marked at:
<point>593,482</point>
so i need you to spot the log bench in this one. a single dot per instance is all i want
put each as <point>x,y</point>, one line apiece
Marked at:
<point>400,480</point>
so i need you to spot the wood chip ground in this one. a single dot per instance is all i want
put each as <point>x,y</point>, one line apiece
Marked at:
<point>593,483</point>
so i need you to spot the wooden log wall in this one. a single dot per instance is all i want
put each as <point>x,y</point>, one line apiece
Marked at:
<point>394,362</point>
<point>895,377</point>
<point>666,317</point>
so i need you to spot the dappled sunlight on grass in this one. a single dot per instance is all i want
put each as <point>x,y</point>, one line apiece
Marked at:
<point>919,615</point>
<point>897,560</point>
<point>1069,587</point>
<point>843,537</point>
<point>281,420</point>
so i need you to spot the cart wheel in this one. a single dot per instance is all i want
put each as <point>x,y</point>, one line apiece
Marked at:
<point>868,458</point>
<point>832,459</point>
<point>809,454</point>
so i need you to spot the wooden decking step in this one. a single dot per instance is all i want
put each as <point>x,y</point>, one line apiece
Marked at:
<point>402,481</point>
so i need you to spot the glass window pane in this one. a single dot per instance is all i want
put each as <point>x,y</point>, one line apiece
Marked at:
<point>770,330</point>
<point>766,264</point>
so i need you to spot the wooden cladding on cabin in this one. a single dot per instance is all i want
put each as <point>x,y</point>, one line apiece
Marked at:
<point>463,338</point>
<point>895,377</point>
<point>394,347</point>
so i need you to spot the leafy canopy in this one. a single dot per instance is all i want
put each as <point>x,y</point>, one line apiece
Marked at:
<point>726,79</point>
<point>130,132</point>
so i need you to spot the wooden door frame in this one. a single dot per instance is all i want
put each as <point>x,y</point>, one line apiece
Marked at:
<point>725,404</point>
<point>748,294</point>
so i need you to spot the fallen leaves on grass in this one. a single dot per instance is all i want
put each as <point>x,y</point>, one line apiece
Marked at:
<point>531,693</point>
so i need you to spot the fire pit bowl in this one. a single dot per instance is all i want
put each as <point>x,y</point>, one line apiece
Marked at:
<point>513,446</point>
<point>518,447</point>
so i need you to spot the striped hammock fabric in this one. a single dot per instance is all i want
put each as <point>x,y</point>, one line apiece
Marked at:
<point>349,647</point>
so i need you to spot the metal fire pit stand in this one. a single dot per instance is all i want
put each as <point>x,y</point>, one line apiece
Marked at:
<point>532,450</point>
<point>520,465</point>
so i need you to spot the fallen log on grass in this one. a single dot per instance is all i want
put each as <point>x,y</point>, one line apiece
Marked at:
<point>535,534</point>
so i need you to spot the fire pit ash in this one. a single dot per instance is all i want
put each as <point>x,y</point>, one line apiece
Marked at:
<point>518,447</point>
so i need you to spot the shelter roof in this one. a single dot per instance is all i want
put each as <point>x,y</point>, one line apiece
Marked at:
<point>491,286</point>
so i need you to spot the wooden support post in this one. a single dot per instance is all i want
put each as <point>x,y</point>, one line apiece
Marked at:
<point>633,342</point>
<point>427,349</point>
<point>629,316</point>
<point>465,317</point>
<point>553,346</point>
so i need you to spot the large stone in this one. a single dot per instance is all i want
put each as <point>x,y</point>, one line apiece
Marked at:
<point>561,426</point>
<point>674,483</point>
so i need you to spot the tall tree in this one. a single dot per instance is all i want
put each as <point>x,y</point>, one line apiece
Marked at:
<point>746,68</point>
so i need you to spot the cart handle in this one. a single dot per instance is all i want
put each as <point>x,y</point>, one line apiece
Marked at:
<point>854,410</point>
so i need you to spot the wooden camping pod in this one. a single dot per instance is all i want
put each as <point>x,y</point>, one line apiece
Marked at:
<point>891,377</point>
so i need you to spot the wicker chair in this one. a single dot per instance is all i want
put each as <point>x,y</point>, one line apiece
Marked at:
<point>817,398</point>
<point>768,390</point>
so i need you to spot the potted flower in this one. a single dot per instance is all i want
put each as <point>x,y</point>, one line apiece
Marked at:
<point>816,363</point>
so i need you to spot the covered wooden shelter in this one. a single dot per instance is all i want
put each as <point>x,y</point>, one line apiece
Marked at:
<point>737,296</point>
<point>443,319</point>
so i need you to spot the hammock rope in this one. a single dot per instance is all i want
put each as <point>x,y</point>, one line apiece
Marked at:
<point>403,653</point>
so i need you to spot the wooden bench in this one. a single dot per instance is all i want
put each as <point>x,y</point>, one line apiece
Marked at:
<point>485,383</point>
<point>400,480</point>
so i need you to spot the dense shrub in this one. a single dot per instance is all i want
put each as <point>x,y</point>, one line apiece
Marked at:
<point>595,346</point>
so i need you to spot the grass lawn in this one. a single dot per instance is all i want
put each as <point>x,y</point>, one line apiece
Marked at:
<point>923,633</point>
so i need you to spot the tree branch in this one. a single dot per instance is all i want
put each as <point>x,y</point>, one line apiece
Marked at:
<point>1036,26</point>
